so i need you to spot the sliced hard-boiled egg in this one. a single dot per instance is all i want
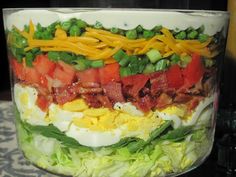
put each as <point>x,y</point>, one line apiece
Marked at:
<point>91,138</point>
<point>177,122</point>
<point>25,98</point>
<point>62,118</point>
<point>129,108</point>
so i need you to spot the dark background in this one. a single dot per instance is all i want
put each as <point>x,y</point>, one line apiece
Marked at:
<point>209,168</point>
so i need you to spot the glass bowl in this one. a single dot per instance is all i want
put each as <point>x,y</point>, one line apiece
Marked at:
<point>115,92</point>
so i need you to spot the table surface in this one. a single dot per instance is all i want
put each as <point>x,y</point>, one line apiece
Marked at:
<point>13,164</point>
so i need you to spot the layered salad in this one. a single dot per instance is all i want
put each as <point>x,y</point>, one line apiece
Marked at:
<point>115,93</point>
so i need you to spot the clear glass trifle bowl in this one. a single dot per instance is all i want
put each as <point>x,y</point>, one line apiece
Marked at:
<point>115,92</point>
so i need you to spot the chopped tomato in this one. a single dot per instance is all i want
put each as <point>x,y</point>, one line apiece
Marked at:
<point>32,75</point>
<point>109,73</point>
<point>137,82</point>
<point>64,73</point>
<point>43,81</point>
<point>194,71</point>
<point>18,69</point>
<point>89,75</point>
<point>174,77</point>
<point>43,102</point>
<point>43,65</point>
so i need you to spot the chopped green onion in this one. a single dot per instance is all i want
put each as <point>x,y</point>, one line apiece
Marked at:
<point>74,31</point>
<point>125,71</point>
<point>148,33</point>
<point>124,61</point>
<point>175,58</point>
<point>97,63</point>
<point>131,34</point>
<point>134,67</point>
<point>114,30</point>
<point>161,65</point>
<point>98,25</point>
<point>66,57</point>
<point>29,57</point>
<point>54,56</point>
<point>203,37</point>
<point>66,25</point>
<point>36,51</point>
<point>81,24</point>
<point>181,35</point>
<point>149,68</point>
<point>192,35</point>
<point>120,54</point>
<point>81,65</point>
<point>185,60</point>
<point>153,55</point>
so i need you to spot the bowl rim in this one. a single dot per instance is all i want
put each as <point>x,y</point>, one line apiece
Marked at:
<point>74,9</point>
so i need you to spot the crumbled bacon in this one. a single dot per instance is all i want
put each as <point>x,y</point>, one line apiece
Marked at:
<point>114,92</point>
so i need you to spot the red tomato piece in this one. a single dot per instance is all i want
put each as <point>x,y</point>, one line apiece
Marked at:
<point>43,65</point>
<point>43,102</point>
<point>174,77</point>
<point>64,73</point>
<point>32,75</point>
<point>89,75</point>
<point>18,69</point>
<point>109,73</point>
<point>194,71</point>
<point>43,81</point>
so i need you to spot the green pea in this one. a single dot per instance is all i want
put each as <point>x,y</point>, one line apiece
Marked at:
<point>148,33</point>
<point>26,28</point>
<point>81,24</point>
<point>139,29</point>
<point>74,30</point>
<point>193,34</point>
<point>37,35</point>
<point>157,29</point>
<point>114,30</point>
<point>131,34</point>
<point>203,37</point>
<point>66,25</point>
<point>181,35</point>
<point>98,25</point>
<point>46,35</point>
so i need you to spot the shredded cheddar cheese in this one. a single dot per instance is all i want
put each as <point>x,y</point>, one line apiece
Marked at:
<point>98,44</point>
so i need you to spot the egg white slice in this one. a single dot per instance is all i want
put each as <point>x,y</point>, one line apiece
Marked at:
<point>25,98</point>
<point>129,108</point>
<point>61,118</point>
<point>177,122</point>
<point>91,138</point>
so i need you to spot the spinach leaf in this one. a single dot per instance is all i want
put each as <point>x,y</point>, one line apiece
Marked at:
<point>177,134</point>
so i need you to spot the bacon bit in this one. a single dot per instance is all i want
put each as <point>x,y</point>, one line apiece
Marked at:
<point>82,90</point>
<point>90,84</point>
<point>92,100</point>
<point>193,103</point>
<point>114,91</point>
<point>145,103</point>
<point>158,83</point>
<point>182,98</point>
<point>163,100</point>
<point>63,94</point>
<point>104,100</point>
